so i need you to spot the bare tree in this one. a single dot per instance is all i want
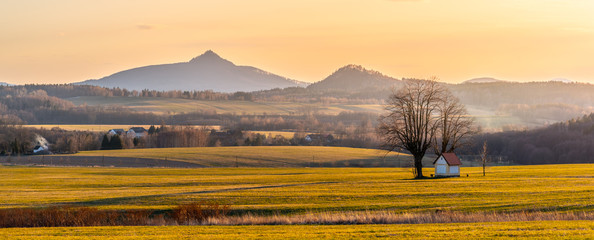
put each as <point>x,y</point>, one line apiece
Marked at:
<point>410,123</point>
<point>454,124</point>
<point>420,115</point>
<point>484,158</point>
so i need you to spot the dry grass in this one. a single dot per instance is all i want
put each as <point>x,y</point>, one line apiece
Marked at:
<point>214,214</point>
<point>194,213</point>
<point>387,217</point>
<point>67,216</point>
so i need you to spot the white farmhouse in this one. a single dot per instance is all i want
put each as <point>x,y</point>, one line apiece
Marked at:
<point>447,165</point>
<point>137,132</point>
<point>118,131</point>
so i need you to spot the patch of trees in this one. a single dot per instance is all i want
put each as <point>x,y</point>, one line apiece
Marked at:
<point>176,136</point>
<point>69,91</point>
<point>21,106</point>
<point>16,140</point>
<point>566,142</point>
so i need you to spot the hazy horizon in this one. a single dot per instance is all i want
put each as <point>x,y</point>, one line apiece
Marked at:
<point>71,41</point>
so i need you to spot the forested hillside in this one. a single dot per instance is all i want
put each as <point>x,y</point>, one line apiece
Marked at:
<point>566,142</point>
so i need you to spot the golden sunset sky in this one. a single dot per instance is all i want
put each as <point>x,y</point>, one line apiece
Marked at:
<point>67,41</point>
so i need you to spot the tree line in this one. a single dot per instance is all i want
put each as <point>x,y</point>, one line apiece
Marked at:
<point>565,142</point>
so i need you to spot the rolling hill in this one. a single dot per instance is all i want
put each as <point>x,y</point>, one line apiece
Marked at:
<point>355,78</point>
<point>206,72</point>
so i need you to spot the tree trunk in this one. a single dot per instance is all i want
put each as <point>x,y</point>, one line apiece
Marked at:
<point>418,166</point>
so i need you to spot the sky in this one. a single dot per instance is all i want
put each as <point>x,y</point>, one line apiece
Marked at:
<point>66,41</point>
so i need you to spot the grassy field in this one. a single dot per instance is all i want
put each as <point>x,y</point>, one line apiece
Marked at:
<point>177,105</point>
<point>498,230</point>
<point>565,188</point>
<point>264,156</point>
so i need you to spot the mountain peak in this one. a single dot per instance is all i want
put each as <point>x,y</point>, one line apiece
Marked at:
<point>353,67</point>
<point>205,72</point>
<point>354,77</point>
<point>209,56</point>
<point>348,69</point>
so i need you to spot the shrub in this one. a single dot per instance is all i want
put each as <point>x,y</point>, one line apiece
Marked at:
<point>196,213</point>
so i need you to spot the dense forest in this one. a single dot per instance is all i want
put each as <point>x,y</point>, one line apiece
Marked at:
<point>490,95</point>
<point>565,142</point>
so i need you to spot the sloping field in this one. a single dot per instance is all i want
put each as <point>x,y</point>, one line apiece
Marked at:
<point>497,230</point>
<point>178,105</point>
<point>264,156</point>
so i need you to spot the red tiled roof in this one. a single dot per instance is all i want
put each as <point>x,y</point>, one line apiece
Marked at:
<point>452,159</point>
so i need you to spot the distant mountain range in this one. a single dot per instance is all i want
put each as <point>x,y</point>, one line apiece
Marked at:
<point>355,78</point>
<point>483,80</point>
<point>6,84</point>
<point>563,80</point>
<point>211,72</point>
<point>206,72</point>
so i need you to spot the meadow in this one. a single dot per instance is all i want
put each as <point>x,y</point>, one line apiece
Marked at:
<point>543,201</point>
<point>179,105</point>
<point>264,156</point>
<point>563,188</point>
<point>496,230</point>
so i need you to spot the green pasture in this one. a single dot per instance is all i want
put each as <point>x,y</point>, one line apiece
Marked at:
<point>264,156</point>
<point>565,188</point>
<point>491,230</point>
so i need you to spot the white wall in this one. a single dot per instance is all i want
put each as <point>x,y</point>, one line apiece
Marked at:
<point>441,166</point>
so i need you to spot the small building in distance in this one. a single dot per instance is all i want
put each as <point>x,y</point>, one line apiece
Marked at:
<point>137,132</point>
<point>447,165</point>
<point>118,131</point>
<point>319,139</point>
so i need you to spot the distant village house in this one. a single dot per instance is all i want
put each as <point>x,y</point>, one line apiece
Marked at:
<point>137,132</point>
<point>319,139</point>
<point>118,131</point>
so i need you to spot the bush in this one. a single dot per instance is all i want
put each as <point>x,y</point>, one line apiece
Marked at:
<point>196,213</point>
<point>68,216</point>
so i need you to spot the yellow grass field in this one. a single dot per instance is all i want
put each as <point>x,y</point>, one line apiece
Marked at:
<point>496,230</point>
<point>262,156</point>
<point>565,188</point>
